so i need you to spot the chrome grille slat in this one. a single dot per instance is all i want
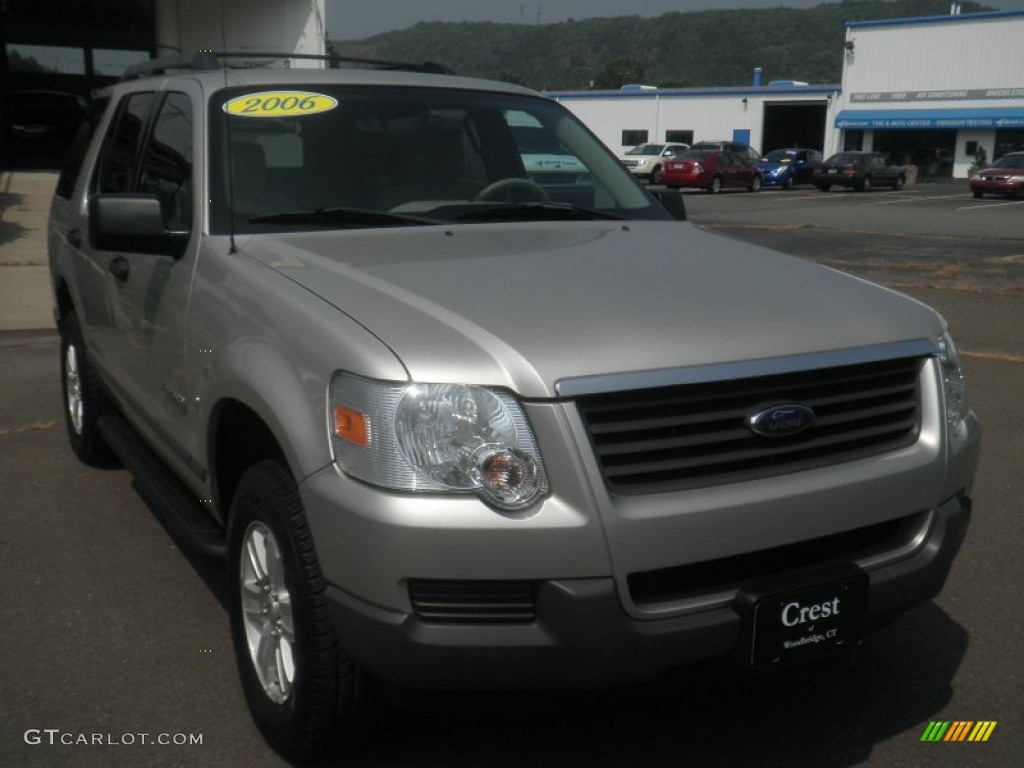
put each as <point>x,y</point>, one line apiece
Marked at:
<point>649,441</point>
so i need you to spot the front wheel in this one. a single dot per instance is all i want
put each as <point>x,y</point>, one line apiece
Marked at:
<point>755,184</point>
<point>824,187</point>
<point>788,183</point>
<point>898,184</point>
<point>84,398</point>
<point>656,176</point>
<point>978,194</point>
<point>716,185</point>
<point>305,694</point>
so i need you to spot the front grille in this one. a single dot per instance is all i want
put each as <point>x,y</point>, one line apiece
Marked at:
<point>474,602</point>
<point>631,163</point>
<point>695,435</point>
<point>680,582</point>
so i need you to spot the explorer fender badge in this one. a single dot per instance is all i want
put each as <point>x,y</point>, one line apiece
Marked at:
<point>781,420</point>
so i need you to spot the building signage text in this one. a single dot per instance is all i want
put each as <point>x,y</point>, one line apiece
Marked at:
<point>960,95</point>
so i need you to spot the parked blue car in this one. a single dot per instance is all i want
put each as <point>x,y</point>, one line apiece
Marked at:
<point>786,167</point>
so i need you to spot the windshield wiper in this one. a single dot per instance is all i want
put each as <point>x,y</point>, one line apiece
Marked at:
<point>532,212</point>
<point>353,216</point>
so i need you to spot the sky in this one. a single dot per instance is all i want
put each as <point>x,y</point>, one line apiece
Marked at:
<point>356,19</point>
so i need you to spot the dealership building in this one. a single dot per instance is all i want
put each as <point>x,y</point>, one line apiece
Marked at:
<point>931,90</point>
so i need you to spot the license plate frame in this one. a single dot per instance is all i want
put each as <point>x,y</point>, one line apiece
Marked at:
<point>778,628</point>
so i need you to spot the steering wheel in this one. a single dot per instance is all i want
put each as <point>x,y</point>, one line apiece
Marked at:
<point>514,189</point>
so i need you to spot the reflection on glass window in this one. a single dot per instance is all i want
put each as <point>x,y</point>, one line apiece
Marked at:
<point>112,63</point>
<point>46,59</point>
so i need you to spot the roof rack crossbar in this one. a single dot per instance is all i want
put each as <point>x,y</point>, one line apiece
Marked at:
<point>210,60</point>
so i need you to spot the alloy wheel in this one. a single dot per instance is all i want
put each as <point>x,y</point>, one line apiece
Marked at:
<point>267,612</point>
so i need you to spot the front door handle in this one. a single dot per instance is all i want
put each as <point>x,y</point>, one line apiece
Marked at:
<point>75,237</point>
<point>119,267</point>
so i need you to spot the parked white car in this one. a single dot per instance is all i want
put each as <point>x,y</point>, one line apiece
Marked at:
<point>646,160</point>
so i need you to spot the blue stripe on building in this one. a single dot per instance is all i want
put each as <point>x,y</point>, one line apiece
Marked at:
<point>912,119</point>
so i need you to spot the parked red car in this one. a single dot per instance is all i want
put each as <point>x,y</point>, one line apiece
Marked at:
<point>1004,177</point>
<point>713,170</point>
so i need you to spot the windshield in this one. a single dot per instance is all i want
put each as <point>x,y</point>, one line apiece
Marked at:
<point>647,149</point>
<point>343,157</point>
<point>780,155</point>
<point>1015,160</point>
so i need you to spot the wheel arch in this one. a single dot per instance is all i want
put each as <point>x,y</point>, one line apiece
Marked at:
<point>62,297</point>
<point>237,439</point>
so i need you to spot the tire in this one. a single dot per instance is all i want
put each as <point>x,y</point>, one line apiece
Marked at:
<point>898,184</point>
<point>788,183</point>
<point>655,176</point>
<point>279,612</point>
<point>83,395</point>
<point>864,185</point>
<point>978,194</point>
<point>672,186</point>
<point>716,185</point>
<point>755,184</point>
<point>824,187</point>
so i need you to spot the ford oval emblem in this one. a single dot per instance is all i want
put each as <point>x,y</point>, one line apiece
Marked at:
<point>781,420</point>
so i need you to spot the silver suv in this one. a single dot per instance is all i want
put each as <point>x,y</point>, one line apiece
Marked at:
<point>456,425</point>
<point>646,161</point>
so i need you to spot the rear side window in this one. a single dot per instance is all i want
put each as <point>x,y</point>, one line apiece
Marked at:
<point>79,146</point>
<point>123,144</point>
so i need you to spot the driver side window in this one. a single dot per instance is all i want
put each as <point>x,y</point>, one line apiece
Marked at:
<point>167,167</point>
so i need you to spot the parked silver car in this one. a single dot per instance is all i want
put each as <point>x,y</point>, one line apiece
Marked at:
<point>456,425</point>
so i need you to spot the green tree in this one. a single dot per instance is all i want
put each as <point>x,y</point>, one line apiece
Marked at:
<point>618,72</point>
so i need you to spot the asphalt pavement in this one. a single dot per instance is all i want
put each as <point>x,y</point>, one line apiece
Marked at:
<point>116,634</point>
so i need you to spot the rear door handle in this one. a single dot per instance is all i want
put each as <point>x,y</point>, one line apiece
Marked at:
<point>75,237</point>
<point>119,267</point>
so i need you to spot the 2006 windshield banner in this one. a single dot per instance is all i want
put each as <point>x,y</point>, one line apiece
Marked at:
<point>958,730</point>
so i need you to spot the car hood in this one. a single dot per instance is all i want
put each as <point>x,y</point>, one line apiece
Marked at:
<point>525,306</point>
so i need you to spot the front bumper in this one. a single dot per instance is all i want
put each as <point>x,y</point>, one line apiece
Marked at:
<point>582,638</point>
<point>836,180</point>
<point>997,187</point>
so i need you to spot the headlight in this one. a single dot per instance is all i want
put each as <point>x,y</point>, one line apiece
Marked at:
<point>953,383</point>
<point>436,437</point>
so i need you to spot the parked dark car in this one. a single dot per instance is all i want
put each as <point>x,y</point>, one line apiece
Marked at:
<point>860,170</point>
<point>743,150</point>
<point>711,169</point>
<point>42,125</point>
<point>1004,177</point>
<point>786,167</point>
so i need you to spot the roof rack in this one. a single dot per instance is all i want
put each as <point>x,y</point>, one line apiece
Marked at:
<point>211,60</point>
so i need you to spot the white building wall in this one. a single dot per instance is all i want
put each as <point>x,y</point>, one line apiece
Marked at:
<point>710,117</point>
<point>265,26</point>
<point>960,53</point>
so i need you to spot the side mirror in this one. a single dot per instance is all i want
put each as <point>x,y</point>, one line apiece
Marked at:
<point>672,201</point>
<point>132,224</point>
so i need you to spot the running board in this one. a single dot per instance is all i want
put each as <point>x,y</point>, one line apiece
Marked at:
<point>175,505</point>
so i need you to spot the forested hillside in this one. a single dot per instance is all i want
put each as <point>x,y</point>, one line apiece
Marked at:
<point>702,48</point>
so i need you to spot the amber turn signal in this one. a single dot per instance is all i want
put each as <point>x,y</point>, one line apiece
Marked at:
<point>350,424</point>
